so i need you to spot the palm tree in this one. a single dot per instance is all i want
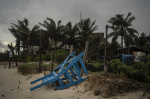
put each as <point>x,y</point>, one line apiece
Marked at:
<point>30,36</point>
<point>86,27</point>
<point>96,48</point>
<point>23,34</point>
<point>17,36</point>
<point>143,41</point>
<point>54,30</point>
<point>70,34</point>
<point>121,26</point>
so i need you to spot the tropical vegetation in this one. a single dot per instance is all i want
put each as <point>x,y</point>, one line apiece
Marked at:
<point>54,39</point>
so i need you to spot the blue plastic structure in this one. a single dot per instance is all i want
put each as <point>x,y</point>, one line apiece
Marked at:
<point>127,58</point>
<point>66,74</point>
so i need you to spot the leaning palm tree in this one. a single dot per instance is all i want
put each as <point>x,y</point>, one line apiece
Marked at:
<point>15,33</point>
<point>30,36</point>
<point>86,27</point>
<point>24,36</point>
<point>70,34</point>
<point>121,26</point>
<point>54,29</point>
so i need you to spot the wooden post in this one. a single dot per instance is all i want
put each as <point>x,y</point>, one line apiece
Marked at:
<point>71,49</point>
<point>85,51</point>
<point>9,62</point>
<point>105,53</point>
<point>53,61</point>
<point>40,69</point>
<point>85,55</point>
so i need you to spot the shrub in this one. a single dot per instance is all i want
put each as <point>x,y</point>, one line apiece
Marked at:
<point>37,58</point>
<point>43,57</point>
<point>29,68</point>
<point>139,65</point>
<point>138,75</point>
<point>95,66</point>
<point>147,67</point>
<point>139,72</point>
<point>29,59</point>
<point>116,66</point>
<point>61,54</point>
<point>3,56</point>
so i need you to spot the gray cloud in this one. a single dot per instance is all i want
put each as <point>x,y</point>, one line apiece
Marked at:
<point>69,10</point>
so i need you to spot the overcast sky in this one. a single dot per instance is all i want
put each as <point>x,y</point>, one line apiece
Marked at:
<point>69,10</point>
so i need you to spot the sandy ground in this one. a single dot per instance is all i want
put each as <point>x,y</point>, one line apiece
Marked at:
<point>16,86</point>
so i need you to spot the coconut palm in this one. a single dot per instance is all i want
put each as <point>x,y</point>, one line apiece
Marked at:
<point>122,27</point>
<point>54,30</point>
<point>86,27</point>
<point>24,36</point>
<point>143,42</point>
<point>15,33</point>
<point>70,33</point>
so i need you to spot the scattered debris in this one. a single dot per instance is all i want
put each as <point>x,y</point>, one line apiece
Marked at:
<point>3,95</point>
<point>112,85</point>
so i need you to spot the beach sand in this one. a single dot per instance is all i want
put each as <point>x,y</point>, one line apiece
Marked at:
<point>17,86</point>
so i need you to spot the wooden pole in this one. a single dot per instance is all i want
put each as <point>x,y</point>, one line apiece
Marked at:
<point>85,51</point>
<point>9,62</point>
<point>40,69</point>
<point>105,53</point>
<point>71,49</point>
<point>10,58</point>
<point>53,61</point>
<point>85,55</point>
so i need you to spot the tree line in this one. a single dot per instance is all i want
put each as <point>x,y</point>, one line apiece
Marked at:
<point>76,35</point>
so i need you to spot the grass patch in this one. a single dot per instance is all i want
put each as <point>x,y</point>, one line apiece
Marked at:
<point>30,68</point>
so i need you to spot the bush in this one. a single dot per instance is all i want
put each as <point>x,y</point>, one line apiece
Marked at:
<point>139,72</point>
<point>138,75</point>
<point>118,67</point>
<point>43,57</point>
<point>3,56</point>
<point>139,65</point>
<point>29,59</point>
<point>37,58</point>
<point>147,67</point>
<point>61,54</point>
<point>29,68</point>
<point>95,66</point>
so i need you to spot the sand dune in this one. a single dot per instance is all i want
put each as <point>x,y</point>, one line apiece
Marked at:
<point>16,86</point>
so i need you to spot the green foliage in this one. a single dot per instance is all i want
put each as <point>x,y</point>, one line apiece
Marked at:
<point>43,57</point>
<point>116,66</point>
<point>61,54</point>
<point>95,66</point>
<point>3,57</point>
<point>140,75</point>
<point>36,59</point>
<point>148,57</point>
<point>29,59</point>
<point>147,67</point>
<point>29,68</point>
<point>138,71</point>
<point>138,66</point>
